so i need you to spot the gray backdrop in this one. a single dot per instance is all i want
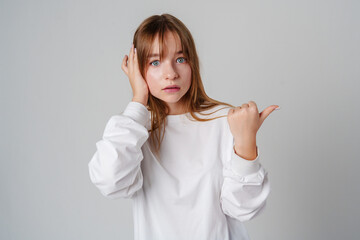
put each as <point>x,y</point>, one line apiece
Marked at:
<point>61,80</point>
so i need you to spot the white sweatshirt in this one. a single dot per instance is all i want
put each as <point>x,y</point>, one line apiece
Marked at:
<point>198,188</point>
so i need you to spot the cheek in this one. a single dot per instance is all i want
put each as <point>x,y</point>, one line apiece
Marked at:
<point>188,76</point>
<point>151,82</point>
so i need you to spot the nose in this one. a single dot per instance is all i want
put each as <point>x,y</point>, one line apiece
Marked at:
<point>170,71</point>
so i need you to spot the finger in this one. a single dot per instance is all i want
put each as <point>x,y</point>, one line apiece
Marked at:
<point>124,65</point>
<point>252,104</point>
<point>135,55</point>
<point>131,50</point>
<point>136,63</point>
<point>131,57</point>
<point>264,114</point>
<point>233,110</point>
<point>245,105</point>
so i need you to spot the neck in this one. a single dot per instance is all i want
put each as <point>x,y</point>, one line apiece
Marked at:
<point>176,108</point>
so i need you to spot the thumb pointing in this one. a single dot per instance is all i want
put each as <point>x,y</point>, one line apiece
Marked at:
<point>264,114</point>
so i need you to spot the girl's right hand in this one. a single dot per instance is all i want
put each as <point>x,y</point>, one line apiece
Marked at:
<point>138,84</point>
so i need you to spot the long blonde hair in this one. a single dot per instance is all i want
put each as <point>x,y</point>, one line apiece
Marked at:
<point>195,100</point>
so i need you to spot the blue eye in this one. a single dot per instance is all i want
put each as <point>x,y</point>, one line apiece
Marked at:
<point>154,62</point>
<point>183,59</point>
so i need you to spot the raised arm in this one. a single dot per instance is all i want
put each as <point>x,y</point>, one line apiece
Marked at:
<point>246,186</point>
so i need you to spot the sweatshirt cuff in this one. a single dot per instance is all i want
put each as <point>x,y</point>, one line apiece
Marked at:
<point>242,166</point>
<point>138,112</point>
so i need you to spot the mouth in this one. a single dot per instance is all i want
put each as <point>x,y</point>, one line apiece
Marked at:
<point>172,88</point>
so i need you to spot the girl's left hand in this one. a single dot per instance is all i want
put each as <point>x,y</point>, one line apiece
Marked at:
<point>245,121</point>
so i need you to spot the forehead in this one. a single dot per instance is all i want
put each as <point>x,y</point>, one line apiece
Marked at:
<point>170,42</point>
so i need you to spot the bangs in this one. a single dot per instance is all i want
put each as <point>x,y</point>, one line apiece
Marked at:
<point>161,32</point>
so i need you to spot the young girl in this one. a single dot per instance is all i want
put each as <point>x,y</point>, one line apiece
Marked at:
<point>189,163</point>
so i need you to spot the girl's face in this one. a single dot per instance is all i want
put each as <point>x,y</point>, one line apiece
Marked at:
<point>172,70</point>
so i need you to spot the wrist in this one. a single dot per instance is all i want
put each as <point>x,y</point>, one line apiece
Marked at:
<point>247,152</point>
<point>245,141</point>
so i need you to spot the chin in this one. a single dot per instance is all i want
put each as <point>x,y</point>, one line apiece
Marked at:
<point>167,99</point>
<point>171,100</point>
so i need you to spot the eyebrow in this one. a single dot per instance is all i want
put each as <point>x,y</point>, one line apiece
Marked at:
<point>157,55</point>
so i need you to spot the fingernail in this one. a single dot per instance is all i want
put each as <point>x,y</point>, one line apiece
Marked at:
<point>135,49</point>
<point>278,108</point>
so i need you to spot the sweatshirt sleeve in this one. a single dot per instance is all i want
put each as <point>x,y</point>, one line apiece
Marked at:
<point>245,187</point>
<point>115,167</point>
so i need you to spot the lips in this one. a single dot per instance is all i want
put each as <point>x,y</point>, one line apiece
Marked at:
<point>172,87</point>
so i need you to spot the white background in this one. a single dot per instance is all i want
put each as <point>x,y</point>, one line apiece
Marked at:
<point>61,80</point>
